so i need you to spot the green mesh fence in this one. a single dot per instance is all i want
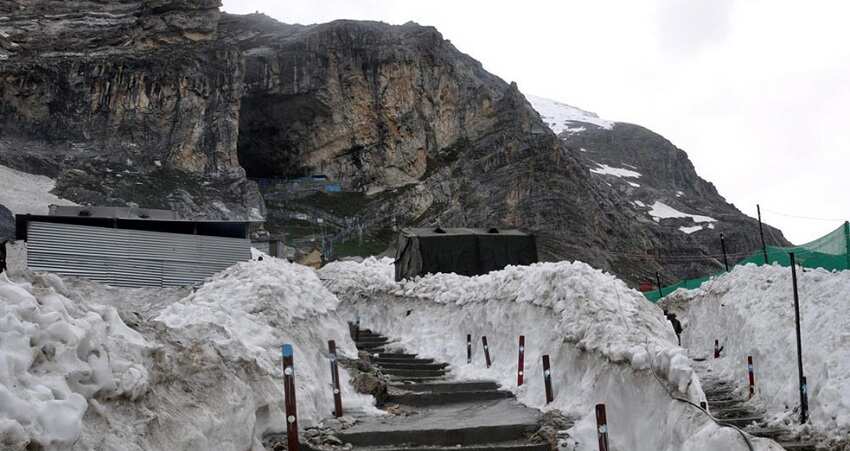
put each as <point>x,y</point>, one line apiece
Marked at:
<point>830,252</point>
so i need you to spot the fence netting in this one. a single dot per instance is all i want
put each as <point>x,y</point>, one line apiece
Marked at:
<point>830,252</point>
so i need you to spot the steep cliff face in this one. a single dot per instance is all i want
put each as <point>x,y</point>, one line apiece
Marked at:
<point>171,104</point>
<point>119,101</point>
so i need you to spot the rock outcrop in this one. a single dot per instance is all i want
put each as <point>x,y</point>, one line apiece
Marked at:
<point>174,104</point>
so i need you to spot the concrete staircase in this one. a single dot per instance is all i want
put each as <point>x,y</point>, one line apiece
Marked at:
<point>438,413</point>
<point>730,409</point>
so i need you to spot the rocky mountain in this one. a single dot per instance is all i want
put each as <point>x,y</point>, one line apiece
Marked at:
<point>337,133</point>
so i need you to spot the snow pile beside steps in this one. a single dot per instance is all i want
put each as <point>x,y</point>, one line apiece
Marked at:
<point>55,356</point>
<point>606,343</point>
<point>596,310</point>
<point>198,372</point>
<point>751,312</point>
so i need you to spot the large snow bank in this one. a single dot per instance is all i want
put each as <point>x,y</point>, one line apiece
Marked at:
<point>750,310</point>
<point>55,355</point>
<point>606,342</point>
<point>250,309</point>
<point>201,372</point>
<point>27,193</point>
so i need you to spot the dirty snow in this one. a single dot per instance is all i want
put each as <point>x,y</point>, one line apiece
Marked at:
<point>750,310</point>
<point>561,117</point>
<point>616,172</point>
<point>201,372</point>
<point>660,210</point>
<point>606,343</point>
<point>27,193</point>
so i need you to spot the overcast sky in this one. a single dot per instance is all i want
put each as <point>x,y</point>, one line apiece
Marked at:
<point>757,92</point>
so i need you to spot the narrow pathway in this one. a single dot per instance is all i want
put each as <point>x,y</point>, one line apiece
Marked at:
<point>438,413</point>
<point>727,407</point>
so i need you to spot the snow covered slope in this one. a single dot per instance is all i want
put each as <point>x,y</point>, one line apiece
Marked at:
<point>750,310</point>
<point>27,193</point>
<point>562,117</point>
<point>200,372</point>
<point>606,343</point>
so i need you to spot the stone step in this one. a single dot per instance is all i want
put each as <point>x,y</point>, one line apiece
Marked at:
<point>742,421</point>
<point>450,387</point>
<point>410,360</point>
<point>395,355</point>
<point>797,446</point>
<point>421,399</point>
<point>465,424</point>
<point>368,345</point>
<point>413,373</point>
<point>732,412</point>
<point>503,446</point>
<point>411,366</point>
<point>416,379</point>
<point>373,339</point>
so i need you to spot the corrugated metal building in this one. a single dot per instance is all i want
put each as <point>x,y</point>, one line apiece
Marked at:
<point>132,247</point>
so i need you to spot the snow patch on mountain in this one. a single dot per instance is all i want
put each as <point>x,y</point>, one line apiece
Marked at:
<point>561,117</point>
<point>660,210</point>
<point>27,193</point>
<point>604,169</point>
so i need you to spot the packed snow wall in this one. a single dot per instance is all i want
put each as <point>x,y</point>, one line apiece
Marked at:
<point>85,366</point>
<point>751,312</point>
<point>607,344</point>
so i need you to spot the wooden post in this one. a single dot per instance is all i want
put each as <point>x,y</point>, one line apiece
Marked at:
<point>602,427</point>
<point>520,368</point>
<point>716,349</point>
<point>751,376</point>
<point>468,349</point>
<point>547,379</point>
<point>486,351</point>
<point>723,247</point>
<point>289,399</point>
<point>335,379</point>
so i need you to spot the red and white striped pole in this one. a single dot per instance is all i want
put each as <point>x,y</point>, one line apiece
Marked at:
<point>716,349</point>
<point>468,349</point>
<point>520,369</point>
<point>289,399</point>
<point>602,427</point>
<point>335,379</point>
<point>752,377</point>
<point>547,379</point>
<point>486,351</point>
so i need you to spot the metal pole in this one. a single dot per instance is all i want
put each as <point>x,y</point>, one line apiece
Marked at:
<point>752,377</point>
<point>547,379</point>
<point>602,427</point>
<point>289,399</point>
<point>521,363</point>
<point>761,231</point>
<point>723,246</point>
<point>486,351</point>
<point>335,379</point>
<point>804,404</point>
<point>658,280</point>
<point>468,349</point>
